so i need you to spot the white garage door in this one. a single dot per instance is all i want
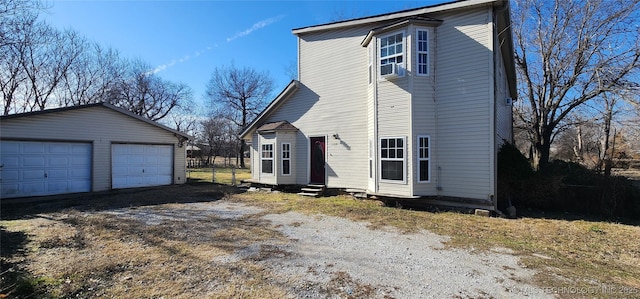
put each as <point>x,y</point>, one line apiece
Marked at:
<point>30,168</point>
<point>141,165</point>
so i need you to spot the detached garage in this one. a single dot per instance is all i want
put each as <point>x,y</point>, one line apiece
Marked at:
<point>86,148</point>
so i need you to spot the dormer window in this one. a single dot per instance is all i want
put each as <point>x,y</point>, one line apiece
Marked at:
<point>392,53</point>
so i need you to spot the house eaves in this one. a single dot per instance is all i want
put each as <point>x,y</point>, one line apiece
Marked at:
<point>178,134</point>
<point>282,125</point>
<point>415,21</point>
<point>461,4</point>
<point>279,100</point>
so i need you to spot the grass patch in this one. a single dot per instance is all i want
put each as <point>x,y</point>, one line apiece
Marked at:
<point>223,175</point>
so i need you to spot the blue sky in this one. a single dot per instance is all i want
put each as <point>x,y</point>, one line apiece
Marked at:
<point>186,40</point>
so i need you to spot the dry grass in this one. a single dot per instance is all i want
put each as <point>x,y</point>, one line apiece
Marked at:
<point>223,175</point>
<point>75,254</point>
<point>574,258</point>
<point>66,250</point>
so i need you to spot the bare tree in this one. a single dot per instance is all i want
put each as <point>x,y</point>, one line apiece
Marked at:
<point>569,53</point>
<point>92,77</point>
<point>147,95</point>
<point>49,55</point>
<point>218,134</point>
<point>17,19</point>
<point>243,92</point>
<point>13,15</point>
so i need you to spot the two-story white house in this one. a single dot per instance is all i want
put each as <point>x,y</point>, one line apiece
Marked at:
<point>409,104</point>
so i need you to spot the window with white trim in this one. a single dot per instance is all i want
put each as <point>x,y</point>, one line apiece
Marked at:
<point>424,156</point>
<point>422,52</point>
<point>392,162</point>
<point>286,158</point>
<point>391,52</point>
<point>266,158</point>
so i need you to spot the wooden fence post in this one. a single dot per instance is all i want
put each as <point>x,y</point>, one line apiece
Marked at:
<point>233,175</point>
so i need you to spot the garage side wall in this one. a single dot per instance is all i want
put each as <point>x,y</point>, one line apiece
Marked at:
<point>100,126</point>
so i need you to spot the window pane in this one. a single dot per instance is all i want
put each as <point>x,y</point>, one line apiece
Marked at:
<point>383,143</point>
<point>400,141</point>
<point>392,143</point>
<point>286,169</point>
<point>267,166</point>
<point>399,59</point>
<point>392,154</point>
<point>399,153</point>
<point>392,40</point>
<point>424,170</point>
<point>383,153</point>
<point>383,52</point>
<point>399,48</point>
<point>392,170</point>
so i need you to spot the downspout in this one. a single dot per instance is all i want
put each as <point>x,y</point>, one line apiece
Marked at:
<point>435,110</point>
<point>495,43</point>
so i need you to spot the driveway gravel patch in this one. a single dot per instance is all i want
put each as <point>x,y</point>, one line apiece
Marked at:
<point>333,257</point>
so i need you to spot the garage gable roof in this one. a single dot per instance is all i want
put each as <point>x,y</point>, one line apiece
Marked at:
<point>101,104</point>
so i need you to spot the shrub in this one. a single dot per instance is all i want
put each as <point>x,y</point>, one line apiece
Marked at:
<point>564,187</point>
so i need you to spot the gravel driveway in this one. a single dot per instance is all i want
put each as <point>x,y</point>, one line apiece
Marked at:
<point>332,257</point>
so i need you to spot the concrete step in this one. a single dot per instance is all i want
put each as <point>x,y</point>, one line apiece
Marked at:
<point>309,194</point>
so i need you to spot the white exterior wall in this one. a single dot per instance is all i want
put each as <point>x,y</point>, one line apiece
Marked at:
<point>504,112</point>
<point>459,105</point>
<point>267,178</point>
<point>424,115</point>
<point>394,120</point>
<point>464,138</point>
<point>287,137</point>
<point>255,157</point>
<point>332,99</point>
<point>100,126</point>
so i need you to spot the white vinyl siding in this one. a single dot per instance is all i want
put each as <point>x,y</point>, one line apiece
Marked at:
<point>423,115</point>
<point>326,85</point>
<point>101,127</point>
<point>464,105</point>
<point>504,116</point>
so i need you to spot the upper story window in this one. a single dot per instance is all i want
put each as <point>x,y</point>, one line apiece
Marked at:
<point>422,52</point>
<point>391,54</point>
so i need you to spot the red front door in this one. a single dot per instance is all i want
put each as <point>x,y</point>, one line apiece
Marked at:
<point>317,160</point>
